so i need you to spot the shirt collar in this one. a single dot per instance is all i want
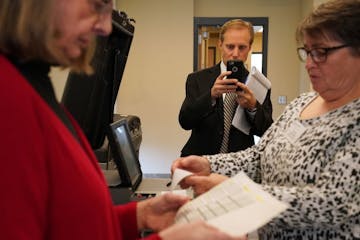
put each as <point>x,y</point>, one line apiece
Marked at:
<point>222,67</point>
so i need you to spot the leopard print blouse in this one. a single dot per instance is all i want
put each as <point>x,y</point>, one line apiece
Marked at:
<point>313,165</point>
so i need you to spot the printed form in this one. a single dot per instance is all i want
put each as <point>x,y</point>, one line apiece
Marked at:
<point>237,206</point>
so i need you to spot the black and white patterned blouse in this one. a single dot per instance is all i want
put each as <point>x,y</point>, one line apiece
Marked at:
<point>314,165</point>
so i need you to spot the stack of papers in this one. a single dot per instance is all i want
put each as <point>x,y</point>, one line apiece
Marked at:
<point>258,83</point>
<point>237,206</point>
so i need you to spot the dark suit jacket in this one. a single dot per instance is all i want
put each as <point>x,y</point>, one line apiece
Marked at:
<point>207,121</point>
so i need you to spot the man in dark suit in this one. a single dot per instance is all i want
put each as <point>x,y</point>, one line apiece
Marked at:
<point>203,108</point>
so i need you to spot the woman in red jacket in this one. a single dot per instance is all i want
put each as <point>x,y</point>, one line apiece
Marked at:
<point>52,187</point>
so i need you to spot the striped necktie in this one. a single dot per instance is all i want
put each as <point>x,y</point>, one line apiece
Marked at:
<point>229,110</point>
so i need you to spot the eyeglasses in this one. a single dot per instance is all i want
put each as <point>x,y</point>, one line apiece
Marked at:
<point>318,55</point>
<point>101,7</point>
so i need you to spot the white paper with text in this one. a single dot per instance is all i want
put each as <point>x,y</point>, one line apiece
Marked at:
<point>259,84</point>
<point>237,206</point>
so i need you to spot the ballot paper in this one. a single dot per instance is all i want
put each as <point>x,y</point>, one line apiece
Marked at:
<point>237,206</point>
<point>179,174</point>
<point>259,85</point>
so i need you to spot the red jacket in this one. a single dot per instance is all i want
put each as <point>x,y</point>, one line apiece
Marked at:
<point>51,186</point>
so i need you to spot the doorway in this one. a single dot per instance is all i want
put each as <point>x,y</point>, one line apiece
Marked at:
<point>206,35</point>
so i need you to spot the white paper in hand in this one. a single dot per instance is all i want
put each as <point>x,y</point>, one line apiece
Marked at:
<point>237,206</point>
<point>179,174</point>
<point>259,85</point>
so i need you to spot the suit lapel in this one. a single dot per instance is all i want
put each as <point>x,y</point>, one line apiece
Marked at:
<point>207,82</point>
<point>213,73</point>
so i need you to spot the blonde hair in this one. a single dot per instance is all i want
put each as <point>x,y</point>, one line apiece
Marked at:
<point>27,33</point>
<point>237,24</point>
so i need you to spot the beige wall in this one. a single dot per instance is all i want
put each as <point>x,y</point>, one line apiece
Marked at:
<point>59,77</point>
<point>153,83</point>
<point>161,56</point>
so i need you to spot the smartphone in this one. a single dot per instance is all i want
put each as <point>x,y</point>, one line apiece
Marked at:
<point>238,71</point>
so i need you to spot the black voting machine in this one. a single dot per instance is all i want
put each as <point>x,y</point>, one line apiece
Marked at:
<point>91,98</point>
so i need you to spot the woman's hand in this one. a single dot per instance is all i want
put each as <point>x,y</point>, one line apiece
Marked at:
<point>201,184</point>
<point>197,165</point>
<point>195,231</point>
<point>158,213</point>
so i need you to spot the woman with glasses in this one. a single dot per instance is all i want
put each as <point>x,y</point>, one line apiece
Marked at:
<point>310,157</point>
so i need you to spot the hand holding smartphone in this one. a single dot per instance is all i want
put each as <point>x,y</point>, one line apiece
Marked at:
<point>238,71</point>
